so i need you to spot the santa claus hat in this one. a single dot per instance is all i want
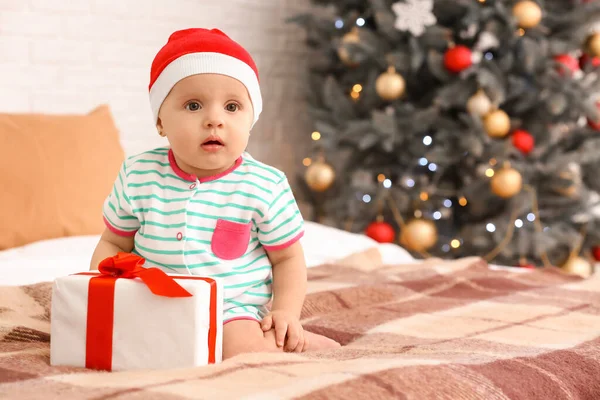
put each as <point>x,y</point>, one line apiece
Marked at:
<point>201,51</point>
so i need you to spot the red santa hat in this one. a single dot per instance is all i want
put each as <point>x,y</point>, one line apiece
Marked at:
<point>201,51</point>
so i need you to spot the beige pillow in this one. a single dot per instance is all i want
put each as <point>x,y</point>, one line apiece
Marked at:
<point>55,172</point>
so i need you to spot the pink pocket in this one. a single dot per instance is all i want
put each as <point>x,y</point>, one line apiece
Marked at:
<point>230,239</point>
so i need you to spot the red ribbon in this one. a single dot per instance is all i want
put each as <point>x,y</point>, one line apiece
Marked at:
<point>127,265</point>
<point>101,299</point>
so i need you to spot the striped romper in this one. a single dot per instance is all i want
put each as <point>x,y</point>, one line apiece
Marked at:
<point>218,226</point>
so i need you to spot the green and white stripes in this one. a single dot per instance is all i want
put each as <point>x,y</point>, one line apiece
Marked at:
<point>175,219</point>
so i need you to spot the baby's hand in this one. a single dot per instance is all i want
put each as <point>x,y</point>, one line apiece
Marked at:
<point>285,322</point>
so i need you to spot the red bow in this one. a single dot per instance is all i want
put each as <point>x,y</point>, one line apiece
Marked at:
<point>129,266</point>
<point>101,294</point>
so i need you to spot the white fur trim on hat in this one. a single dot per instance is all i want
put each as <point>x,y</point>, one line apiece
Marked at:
<point>205,63</point>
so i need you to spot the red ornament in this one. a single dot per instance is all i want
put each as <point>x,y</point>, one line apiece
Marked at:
<point>587,59</point>
<point>458,58</point>
<point>569,64</point>
<point>523,141</point>
<point>381,232</point>
<point>596,253</point>
<point>595,124</point>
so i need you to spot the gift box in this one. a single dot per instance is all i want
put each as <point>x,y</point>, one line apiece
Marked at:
<point>128,317</point>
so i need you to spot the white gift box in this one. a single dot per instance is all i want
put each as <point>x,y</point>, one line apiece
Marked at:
<point>148,331</point>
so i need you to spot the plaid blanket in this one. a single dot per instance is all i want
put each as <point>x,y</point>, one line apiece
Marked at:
<point>440,329</point>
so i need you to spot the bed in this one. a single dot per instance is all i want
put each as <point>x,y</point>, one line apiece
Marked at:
<point>410,329</point>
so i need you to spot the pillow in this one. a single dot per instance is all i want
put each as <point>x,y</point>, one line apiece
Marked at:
<point>55,173</point>
<point>323,244</point>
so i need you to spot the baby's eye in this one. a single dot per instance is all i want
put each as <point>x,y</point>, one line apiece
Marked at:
<point>232,107</point>
<point>193,106</point>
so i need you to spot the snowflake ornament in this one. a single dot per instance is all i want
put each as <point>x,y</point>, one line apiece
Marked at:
<point>414,15</point>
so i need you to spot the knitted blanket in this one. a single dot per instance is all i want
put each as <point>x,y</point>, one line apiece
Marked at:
<point>439,329</point>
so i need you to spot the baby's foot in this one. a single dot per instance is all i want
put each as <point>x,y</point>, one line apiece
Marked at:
<point>319,342</point>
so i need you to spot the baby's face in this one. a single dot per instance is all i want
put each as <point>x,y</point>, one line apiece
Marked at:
<point>207,120</point>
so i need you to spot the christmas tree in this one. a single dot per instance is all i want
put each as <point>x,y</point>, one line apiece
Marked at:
<point>458,127</point>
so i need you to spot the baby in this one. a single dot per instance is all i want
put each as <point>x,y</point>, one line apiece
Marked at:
<point>204,206</point>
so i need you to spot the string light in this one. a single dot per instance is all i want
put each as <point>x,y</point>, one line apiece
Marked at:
<point>448,203</point>
<point>307,161</point>
<point>531,217</point>
<point>410,182</point>
<point>339,23</point>
<point>490,227</point>
<point>316,135</point>
<point>381,177</point>
<point>427,140</point>
<point>493,162</point>
<point>521,31</point>
<point>367,198</point>
<point>387,183</point>
<point>462,201</point>
<point>424,196</point>
<point>360,21</point>
<point>423,161</point>
<point>455,243</point>
<point>489,172</point>
<point>355,92</point>
<point>518,223</point>
<point>437,215</point>
<point>432,167</point>
<point>446,248</point>
<point>482,1</point>
<point>418,213</point>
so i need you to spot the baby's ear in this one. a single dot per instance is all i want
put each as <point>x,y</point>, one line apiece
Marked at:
<point>159,127</point>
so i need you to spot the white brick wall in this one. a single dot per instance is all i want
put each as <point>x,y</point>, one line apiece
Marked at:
<point>69,56</point>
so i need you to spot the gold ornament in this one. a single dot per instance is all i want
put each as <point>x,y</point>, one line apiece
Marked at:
<point>528,14</point>
<point>570,191</point>
<point>479,104</point>
<point>572,181</point>
<point>578,266</point>
<point>506,183</point>
<point>390,85</point>
<point>497,124</point>
<point>593,44</point>
<point>418,235</point>
<point>351,37</point>
<point>319,176</point>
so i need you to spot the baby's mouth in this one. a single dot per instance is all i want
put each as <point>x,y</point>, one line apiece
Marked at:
<point>212,144</point>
